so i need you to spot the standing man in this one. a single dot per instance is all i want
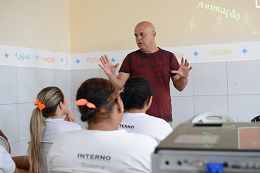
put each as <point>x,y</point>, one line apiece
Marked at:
<point>153,63</point>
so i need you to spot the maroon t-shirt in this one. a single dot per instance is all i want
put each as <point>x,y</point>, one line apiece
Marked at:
<point>157,68</point>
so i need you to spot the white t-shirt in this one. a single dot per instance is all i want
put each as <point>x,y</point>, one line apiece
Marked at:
<point>142,123</point>
<point>101,151</point>
<point>55,127</point>
<point>6,162</point>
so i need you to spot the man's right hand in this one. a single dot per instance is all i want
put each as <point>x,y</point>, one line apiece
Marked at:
<point>108,67</point>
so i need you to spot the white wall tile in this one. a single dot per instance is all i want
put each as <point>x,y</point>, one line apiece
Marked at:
<point>27,84</point>
<point>188,90</point>
<point>15,149</point>
<point>24,114</point>
<point>243,77</point>
<point>206,91</point>
<point>210,78</point>
<point>79,76</point>
<point>24,147</point>
<point>46,78</point>
<point>9,122</point>
<point>103,74</point>
<point>182,110</point>
<point>70,107</point>
<point>63,81</point>
<point>244,107</point>
<point>8,86</point>
<point>210,103</point>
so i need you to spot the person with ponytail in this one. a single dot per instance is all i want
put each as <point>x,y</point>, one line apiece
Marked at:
<point>101,147</point>
<point>137,97</point>
<point>47,124</point>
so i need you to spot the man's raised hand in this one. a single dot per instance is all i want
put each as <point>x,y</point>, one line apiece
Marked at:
<point>184,69</point>
<point>107,66</point>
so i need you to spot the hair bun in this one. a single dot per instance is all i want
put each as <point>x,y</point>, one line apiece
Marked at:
<point>87,113</point>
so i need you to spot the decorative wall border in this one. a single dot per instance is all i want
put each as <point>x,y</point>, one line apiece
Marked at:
<point>20,56</point>
<point>28,57</point>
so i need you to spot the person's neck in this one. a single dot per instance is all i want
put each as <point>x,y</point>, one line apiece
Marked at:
<point>56,116</point>
<point>151,50</point>
<point>102,126</point>
<point>137,110</point>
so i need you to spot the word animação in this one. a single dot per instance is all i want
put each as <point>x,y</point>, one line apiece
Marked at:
<point>212,7</point>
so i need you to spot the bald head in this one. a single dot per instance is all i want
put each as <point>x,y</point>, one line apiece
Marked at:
<point>145,37</point>
<point>145,24</point>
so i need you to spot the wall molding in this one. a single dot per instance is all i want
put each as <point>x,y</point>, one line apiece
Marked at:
<point>28,57</point>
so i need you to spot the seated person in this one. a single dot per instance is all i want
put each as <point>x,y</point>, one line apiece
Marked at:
<point>137,97</point>
<point>101,147</point>
<point>9,165</point>
<point>47,124</point>
<point>6,162</point>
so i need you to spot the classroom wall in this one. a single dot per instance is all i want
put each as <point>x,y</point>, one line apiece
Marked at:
<point>31,33</point>
<point>227,89</point>
<point>231,87</point>
<point>177,22</point>
<point>18,90</point>
<point>35,24</point>
<point>64,39</point>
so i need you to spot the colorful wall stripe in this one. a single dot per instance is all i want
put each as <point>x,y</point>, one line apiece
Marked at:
<point>20,56</point>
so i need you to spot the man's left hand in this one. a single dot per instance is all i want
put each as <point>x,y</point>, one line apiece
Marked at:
<point>183,70</point>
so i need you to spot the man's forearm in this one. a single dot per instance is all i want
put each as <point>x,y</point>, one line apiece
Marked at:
<point>181,83</point>
<point>116,81</point>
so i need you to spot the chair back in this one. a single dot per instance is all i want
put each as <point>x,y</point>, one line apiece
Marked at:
<point>256,119</point>
<point>2,170</point>
<point>213,117</point>
<point>4,143</point>
<point>45,148</point>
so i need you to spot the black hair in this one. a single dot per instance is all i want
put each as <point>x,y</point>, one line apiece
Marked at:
<point>136,92</point>
<point>102,93</point>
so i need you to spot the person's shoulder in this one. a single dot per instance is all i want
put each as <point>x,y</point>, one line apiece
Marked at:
<point>2,149</point>
<point>150,121</point>
<point>139,138</point>
<point>133,53</point>
<point>53,121</point>
<point>69,122</point>
<point>155,119</point>
<point>142,142</point>
<point>67,136</point>
<point>70,133</point>
<point>165,51</point>
<point>72,124</point>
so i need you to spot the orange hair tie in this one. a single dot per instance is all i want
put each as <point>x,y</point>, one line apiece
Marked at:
<point>40,106</point>
<point>83,102</point>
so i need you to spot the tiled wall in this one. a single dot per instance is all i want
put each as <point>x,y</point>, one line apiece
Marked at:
<point>19,87</point>
<point>231,87</point>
